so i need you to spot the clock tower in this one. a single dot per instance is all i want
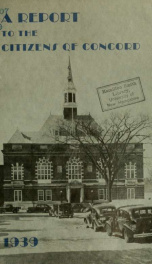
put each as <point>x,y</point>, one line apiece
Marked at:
<point>70,106</point>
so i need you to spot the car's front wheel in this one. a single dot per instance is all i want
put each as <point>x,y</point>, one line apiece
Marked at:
<point>128,238</point>
<point>94,226</point>
<point>109,230</point>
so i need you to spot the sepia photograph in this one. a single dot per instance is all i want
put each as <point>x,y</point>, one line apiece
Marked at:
<point>75,132</point>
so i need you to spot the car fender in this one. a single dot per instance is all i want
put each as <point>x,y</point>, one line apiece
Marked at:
<point>109,222</point>
<point>96,222</point>
<point>129,230</point>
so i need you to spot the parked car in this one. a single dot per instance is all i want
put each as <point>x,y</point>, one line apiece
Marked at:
<point>99,215</point>
<point>131,222</point>
<point>39,208</point>
<point>9,208</point>
<point>61,210</point>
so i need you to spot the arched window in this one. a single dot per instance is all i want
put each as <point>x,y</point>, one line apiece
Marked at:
<point>44,169</point>
<point>130,170</point>
<point>17,171</point>
<point>98,173</point>
<point>74,169</point>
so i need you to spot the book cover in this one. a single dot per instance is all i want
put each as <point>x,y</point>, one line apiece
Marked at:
<point>75,131</point>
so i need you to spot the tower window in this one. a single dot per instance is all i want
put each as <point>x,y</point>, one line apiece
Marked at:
<point>65,98</point>
<point>70,97</point>
<point>74,98</point>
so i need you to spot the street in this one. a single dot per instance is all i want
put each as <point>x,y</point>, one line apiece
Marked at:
<point>65,239</point>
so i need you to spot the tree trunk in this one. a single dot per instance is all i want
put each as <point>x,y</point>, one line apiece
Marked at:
<point>109,188</point>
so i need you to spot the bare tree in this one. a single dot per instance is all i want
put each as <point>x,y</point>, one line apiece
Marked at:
<point>111,143</point>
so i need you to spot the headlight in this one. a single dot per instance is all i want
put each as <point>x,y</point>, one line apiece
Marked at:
<point>133,227</point>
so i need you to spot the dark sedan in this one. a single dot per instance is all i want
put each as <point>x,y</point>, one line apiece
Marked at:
<point>40,208</point>
<point>131,222</point>
<point>99,215</point>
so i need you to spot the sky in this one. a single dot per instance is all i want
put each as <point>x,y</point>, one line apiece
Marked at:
<point>32,82</point>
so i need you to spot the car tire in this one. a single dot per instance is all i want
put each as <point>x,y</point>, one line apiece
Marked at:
<point>127,238</point>
<point>86,223</point>
<point>108,230</point>
<point>94,227</point>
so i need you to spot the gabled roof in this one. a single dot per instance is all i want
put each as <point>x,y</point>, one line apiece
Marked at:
<point>46,135</point>
<point>19,137</point>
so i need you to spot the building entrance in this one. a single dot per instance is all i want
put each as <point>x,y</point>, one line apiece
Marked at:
<point>75,195</point>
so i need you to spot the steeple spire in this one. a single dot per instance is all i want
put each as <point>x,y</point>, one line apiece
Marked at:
<point>70,106</point>
<point>70,79</point>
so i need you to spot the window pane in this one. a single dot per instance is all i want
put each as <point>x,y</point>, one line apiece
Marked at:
<point>15,175</point>
<point>70,97</point>
<point>48,195</point>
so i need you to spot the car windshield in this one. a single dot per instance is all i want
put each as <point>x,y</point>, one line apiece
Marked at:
<point>142,212</point>
<point>106,210</point>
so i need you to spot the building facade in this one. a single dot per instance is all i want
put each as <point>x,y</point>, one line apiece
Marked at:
<point>40,169</point>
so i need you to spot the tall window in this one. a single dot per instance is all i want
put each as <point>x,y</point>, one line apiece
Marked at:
<point>44,169</point>
<point>130,170</point>
<point>40,195</point>
<point>130,193</point>
<point>98,173</point>
<point>17,195</point>
<point>48,195</point>
<point>17,171</point>
<point>102,194</point>
<point>74,169</point>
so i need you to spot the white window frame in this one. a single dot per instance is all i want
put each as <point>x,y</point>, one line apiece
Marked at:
<point>130,170</point>
<point>74,169</point>
<point>131,193</point>
<point>59,169</point>
<point>40,191</point>
<point>48,191</point>
<point>17,172</point>
<point>104,194</point>
<point>44,169</point>
<point>18,194</point>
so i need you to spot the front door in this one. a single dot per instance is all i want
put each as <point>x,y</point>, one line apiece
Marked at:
<point>75,195</point>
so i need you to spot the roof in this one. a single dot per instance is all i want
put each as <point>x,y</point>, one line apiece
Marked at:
<point>46,134</point>
<point>99,206</point>
<point>132,207</point>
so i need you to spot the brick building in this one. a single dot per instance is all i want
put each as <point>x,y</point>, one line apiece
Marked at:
<point>38,168</point>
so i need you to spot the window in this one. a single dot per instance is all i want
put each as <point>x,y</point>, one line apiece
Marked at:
<point>98,173</point>
<point>89,168</point>
<point>59,169</point>
<point>131,193</point>
<point>74,98</point>
<point>44,169</point>
<point>102,194</point>
<point>130,170</point>
<point>17,171</point>
<point>40,195</point>
<point>17,195</point>
<point>48,195</point>
<point>74,169</point>
<point>65,98</point>
<point>70,97</point>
